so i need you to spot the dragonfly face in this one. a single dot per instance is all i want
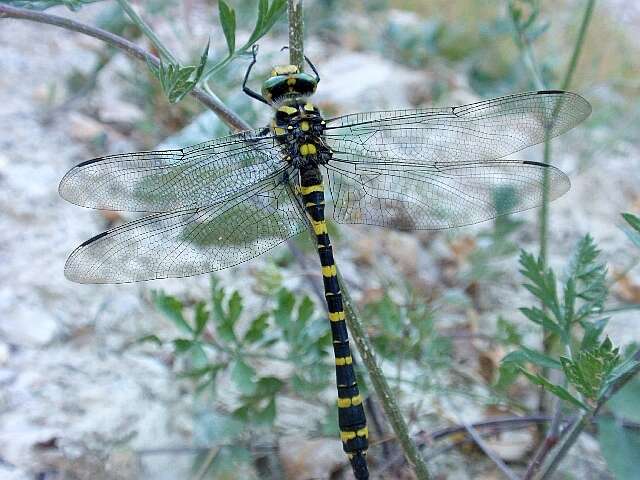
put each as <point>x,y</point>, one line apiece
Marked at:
<point>287,81</point>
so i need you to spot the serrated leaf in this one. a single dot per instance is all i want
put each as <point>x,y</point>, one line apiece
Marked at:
<point>171,308</point>
<point>257,328</point>
<point>525,354</point>
<point>243,376</point>
<point>620,447</point>
<point>589,370</point>
<point>228,22</point>
<point>557,390</point>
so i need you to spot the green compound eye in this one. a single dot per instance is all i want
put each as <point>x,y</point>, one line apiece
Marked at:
<point>294,85</point>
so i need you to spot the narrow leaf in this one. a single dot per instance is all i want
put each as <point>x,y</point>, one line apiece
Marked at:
<point>525,354</point>
<point>557,390</point>
<point>632,220</point>
<point>228,22</point>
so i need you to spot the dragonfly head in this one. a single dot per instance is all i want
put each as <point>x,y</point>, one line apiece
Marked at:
<point>288,81</point>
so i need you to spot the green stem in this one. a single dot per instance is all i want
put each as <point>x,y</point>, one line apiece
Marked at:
<point>146,29</point>
<point>381,386</point>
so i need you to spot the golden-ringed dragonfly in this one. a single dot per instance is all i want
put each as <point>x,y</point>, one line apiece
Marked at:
<point>223,202</point>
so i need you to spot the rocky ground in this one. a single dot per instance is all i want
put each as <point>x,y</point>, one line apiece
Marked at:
<point>74,398</point>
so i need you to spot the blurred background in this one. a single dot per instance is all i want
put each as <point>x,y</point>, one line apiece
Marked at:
<point>114,382</point>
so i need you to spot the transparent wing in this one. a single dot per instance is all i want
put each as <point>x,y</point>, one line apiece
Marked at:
<point>161,181</point>
<point>190,241</point>
<point>485,130</point>
<point>438,195</point>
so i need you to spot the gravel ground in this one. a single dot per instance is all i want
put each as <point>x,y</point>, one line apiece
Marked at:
<point>72,393</point>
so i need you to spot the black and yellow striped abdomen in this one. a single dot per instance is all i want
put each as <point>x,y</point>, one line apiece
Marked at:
<point>351,416</point>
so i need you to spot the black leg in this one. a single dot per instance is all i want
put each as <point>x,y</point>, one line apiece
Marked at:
<point>313,68</point>
<point>309,62</point>
<point>246,89</point>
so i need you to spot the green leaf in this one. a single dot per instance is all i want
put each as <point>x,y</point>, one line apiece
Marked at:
<point>268,386</point>
<point>634,232</point>
<point>177,80</point>
<point>539,317</point>
<point>305,310</point>
<point>543,283</point>
<point>284,309</point>
<point>267,17</point>
<point>592,332</point>
<point>171,308</point>
<point>621,373</point>
<point>589,370</point>
<point>525,354</point>
<point>225,318</point>
<point>201,317</point>
<point>257,328</point>
<point>150,339</point>
<point>632,220</point>
<point>228,22</point>
<point>243,375</point>
<point>235,307</point>
<point>182,344</point>
<point>557,390</point>
<point>620,447</point>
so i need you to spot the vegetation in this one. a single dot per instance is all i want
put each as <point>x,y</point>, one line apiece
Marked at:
<point>242,363</point>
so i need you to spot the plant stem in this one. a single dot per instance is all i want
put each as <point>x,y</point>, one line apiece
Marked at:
<point>479,441</point>
<point>566,83</point>
<point>567,439</point>
<point>227,115</point>
<point>296,34</point>
<point>146,29</point>
<point>381,386</point>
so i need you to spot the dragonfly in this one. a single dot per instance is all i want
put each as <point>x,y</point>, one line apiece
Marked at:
<point>223,202</point>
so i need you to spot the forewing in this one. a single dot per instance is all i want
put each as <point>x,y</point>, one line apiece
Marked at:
<point>485,130</point>
<point>438,196</point>
<point>189,241</point>
<point>161,181</point>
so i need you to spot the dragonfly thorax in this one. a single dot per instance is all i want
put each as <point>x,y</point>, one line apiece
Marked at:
<point>299,127</point>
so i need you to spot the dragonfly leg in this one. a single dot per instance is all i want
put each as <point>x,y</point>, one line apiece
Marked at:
<point>313,67</point>
<point>247,90</point>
